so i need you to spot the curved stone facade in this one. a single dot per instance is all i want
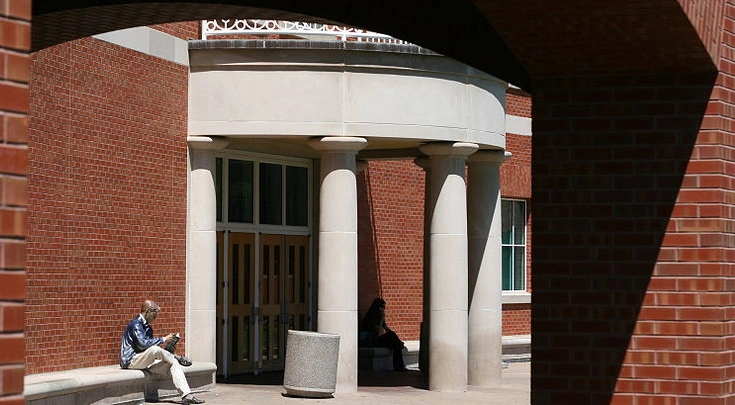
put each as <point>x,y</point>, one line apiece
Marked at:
<point>396,96</point>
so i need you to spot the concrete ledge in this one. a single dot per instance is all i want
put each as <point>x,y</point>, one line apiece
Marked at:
<point>111,385</point>
<point>517,345</point>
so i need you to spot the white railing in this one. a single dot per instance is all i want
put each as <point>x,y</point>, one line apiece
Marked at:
<point>304,30</point>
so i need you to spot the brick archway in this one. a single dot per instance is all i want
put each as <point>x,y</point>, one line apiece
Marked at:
<point>631,174</point>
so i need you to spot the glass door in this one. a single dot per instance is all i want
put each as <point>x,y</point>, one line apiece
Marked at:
<point>272,331</point>
<point>235,323</point>
<point>283,294</point>
<point>263,259</point>
<point>297,282</point>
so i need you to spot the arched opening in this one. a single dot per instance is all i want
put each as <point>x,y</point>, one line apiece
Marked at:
<point>616,85</point>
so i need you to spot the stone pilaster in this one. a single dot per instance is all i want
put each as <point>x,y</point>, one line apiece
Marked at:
<point>201,269</point>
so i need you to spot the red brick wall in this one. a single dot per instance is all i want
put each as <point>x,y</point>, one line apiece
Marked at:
<point>184,30</point>
<point>516,319</point>
<point>15,42</point>
<point>518,102</point>
<point>610,154</point>
<point>391,237</point>
<point>681,351</point>
<point>515,182</point>
<point>107,200</point>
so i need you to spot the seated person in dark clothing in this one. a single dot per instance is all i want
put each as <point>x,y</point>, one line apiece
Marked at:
<point>375,333</point>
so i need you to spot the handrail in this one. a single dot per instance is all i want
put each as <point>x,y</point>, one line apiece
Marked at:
<point>303,29</point>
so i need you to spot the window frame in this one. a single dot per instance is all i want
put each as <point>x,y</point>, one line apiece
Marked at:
<point>513,244</point>
<point>257,159</point>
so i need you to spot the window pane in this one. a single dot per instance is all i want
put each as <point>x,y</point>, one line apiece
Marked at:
<point>519,268</point>
<point>297,194</point>
<point>271,193</point>
<point>519,223</point>
<point>506,209</point>
<point>240,188</point>
<point>218,187</point>
<point>507,267</point>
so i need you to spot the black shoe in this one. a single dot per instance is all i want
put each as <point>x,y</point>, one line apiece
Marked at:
<point>191,399</point>
<point>186,363</point>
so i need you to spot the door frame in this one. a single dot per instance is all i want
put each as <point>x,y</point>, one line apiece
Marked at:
<point>223,348</point>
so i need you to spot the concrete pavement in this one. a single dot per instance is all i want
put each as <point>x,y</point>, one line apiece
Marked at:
<point>385,388</point>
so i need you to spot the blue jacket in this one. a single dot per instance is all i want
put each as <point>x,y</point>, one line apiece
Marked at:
<point>137,338</point>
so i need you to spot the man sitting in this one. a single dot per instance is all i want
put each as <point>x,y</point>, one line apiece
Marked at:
<point>139,350</point>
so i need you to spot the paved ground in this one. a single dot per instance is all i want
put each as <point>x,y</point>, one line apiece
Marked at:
<point>385,388</point>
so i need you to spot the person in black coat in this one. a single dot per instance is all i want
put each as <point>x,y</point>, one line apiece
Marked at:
<point>375,333</point>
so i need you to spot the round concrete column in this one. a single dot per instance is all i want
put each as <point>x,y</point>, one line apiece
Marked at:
<point>448,267</point>
<point>201,269</point>
<point>337,256</point>
<point>485,329</point>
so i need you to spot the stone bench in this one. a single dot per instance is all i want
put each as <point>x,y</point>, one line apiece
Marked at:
<point>111,385</point>
<point>374,359</point>
<point>381,358</point>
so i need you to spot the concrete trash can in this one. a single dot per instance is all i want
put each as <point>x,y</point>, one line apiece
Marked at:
<point>311,364</point>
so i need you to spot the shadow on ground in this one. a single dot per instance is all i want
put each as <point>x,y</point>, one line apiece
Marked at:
<point>411,378</point>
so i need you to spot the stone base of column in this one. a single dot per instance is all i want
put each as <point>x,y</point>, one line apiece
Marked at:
<point>448,351</point>
<point>485,348</point>
<point>344,324</point>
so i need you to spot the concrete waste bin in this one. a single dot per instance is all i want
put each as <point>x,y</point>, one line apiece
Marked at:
<point>311,364</point>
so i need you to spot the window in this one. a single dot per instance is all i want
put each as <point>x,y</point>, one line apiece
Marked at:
<point>261,193</point>
<point>271,194</point>
<point>218,186</point>
<point>514,245</point>
<point>240,187</point>
<point>297,196</point>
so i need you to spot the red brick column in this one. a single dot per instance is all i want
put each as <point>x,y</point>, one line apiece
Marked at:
<point>15,43</point>
<point>630,303</point>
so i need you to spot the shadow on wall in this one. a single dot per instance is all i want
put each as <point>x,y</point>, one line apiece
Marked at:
<point>609,158</point>
<point>369,283</point>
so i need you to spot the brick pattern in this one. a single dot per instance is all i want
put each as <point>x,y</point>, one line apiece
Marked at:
<point>184,30</point>
<point>518,102</point>
<point>15,37</point>
<point>609,157</point>
<point>707,19</point>
<point>516,319</point>
<point>107,202</point>
<point>590,38</point>
<point>681,348</point>
<point>515,182</point>
<point>390,242</point>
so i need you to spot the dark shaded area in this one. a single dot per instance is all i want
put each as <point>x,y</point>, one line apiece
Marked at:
<point>452,28</point>
<point>600,37</point>
<point>607,173</point>
<point>369,283</point>
<point>409,378</point>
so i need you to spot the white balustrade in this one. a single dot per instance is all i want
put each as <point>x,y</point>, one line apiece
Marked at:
<point>303,29</point>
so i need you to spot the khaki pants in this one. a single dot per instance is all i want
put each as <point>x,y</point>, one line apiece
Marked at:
<point>161,362</point>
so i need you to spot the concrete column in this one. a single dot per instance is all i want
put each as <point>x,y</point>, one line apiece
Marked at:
<point>337,256</point>
<point>485,329</point>
<point>448,267</point>
<point>201,266</point>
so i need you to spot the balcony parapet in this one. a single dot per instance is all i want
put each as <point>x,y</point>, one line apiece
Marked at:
<point>307,31</point>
